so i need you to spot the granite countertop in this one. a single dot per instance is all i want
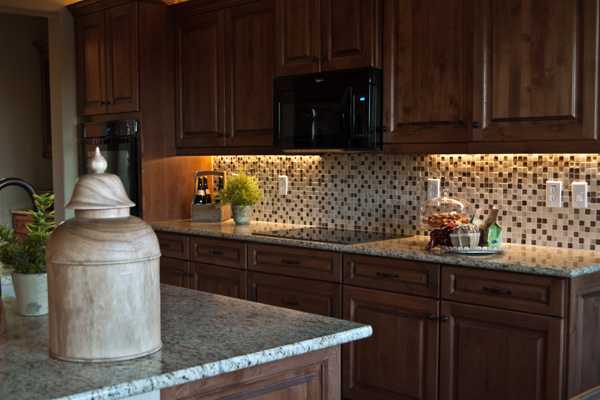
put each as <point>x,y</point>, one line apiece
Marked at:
<point>203,335</point>
<point>517,258</point>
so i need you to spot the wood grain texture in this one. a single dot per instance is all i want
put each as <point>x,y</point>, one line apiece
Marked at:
<point>315,376</point>
<point>219,280</point>
<point>322,298</point>
<point>426,59</point>
<point>400,360</point>
<point>535,65</point>
<point>103,289</point>
<point>493,354</point>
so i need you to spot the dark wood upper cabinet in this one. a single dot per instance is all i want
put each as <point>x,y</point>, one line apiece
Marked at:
<point>535,73</point>
<point>325,35</point>
<point>491,76</point>
<point>224,77</point>
<point>107,61</point>
<point>426,71</point>
<point>200,83</point>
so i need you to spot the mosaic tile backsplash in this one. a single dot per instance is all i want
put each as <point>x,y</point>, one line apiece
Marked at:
<point>384,193</point>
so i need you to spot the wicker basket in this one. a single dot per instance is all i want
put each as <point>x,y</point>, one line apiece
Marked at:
<point>465,239</point>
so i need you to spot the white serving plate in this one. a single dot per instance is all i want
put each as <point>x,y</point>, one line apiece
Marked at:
<point>474,250</point>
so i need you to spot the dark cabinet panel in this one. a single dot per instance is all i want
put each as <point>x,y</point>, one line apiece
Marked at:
<point>400,360</point>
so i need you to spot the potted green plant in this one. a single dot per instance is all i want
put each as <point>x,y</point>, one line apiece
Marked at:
<point>241,191</point>
<point>27,258</point>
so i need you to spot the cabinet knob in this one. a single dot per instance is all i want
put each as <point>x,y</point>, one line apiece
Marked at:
<point>431,317</point>
<point>314,59</point>
<point>227,134</point>
<point>443,318</point>
<point>476,125</point>
<point>323,58</point>
<point>220,134</point>
<point>384,128</point>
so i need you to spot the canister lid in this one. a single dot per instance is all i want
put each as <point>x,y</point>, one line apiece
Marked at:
<point>98,190</point>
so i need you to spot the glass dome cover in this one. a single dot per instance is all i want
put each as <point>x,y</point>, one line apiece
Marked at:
<point>442,210</point>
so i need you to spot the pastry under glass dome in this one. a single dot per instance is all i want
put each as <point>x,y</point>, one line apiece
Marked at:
<point>442,210</point>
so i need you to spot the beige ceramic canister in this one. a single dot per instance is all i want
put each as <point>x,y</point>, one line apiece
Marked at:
<point>103,276</point>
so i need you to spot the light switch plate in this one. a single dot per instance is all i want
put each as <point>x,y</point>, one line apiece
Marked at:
<point>433,188</point>
<point>579,194</point>
<point>553,193</point>
<point>283,185</point>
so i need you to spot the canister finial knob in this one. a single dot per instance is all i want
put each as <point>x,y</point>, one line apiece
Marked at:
<point>97,163</point>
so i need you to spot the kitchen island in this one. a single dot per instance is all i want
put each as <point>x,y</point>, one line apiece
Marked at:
<point>205,337</point>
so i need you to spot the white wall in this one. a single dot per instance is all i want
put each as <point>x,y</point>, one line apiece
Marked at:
<point>61,36</point>
<point>21,121</point>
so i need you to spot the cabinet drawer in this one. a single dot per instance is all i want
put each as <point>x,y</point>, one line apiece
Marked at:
<point>302,263</point>
<point>513,291</point>
<point>220,280</point>
<point>223,252</point>
<point>409,277</point>
<point>321,298</point>
<point>175,272</point>
<point>173,245</point>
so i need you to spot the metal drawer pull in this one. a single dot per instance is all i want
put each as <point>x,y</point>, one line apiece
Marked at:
<point>216,253</point>
<point>295,262</point>
<point>385,275</point>
<point>290,303</point>
<point>431,317</point>
<point>443,318</point>
<point>497,291</point>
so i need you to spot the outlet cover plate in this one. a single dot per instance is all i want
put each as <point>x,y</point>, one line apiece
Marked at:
<point>433,188</point>
<point>283,185</point>
<point>579,194</point>
<point>553,193</point>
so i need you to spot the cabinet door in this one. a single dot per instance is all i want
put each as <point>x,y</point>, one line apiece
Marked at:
<point>350,34</point>
<point>250,30</point>
<point>535,70</point>
<point>91,64</point>
<point>298,36</point>
<point>400,360</point>
<point>175,272</point>
<point>425,59</point>
<point>199,80</point>
<point>122,89</point>
<point>321,298</point>
<point>219,280</point>
<point>495,354</point>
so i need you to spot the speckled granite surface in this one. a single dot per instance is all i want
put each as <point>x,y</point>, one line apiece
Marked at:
<point>517,258</point>
<point>203,335</point>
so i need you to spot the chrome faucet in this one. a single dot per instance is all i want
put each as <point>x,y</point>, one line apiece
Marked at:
<point>21,183</point>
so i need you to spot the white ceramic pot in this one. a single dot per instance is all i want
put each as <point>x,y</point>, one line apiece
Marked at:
<point>32,293</point>
<point>241,214</point>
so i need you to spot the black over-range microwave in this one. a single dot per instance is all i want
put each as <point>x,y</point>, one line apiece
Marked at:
<point>329,111</point>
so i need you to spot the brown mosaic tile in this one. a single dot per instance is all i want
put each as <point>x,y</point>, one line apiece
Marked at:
<point>384,193</point>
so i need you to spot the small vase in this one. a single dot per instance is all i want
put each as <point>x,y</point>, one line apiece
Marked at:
<point>32,293</point>
<point>241,214</point>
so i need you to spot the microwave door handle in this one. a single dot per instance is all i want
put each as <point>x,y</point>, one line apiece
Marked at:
<point>349,117</point>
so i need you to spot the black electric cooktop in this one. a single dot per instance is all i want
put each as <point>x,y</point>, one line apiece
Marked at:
<point>329,235</point>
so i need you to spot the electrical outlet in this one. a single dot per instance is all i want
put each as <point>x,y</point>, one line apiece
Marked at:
<point>283,185</point>
<point>553,193</point>
<point>579,194</point>
<point>433,188</point>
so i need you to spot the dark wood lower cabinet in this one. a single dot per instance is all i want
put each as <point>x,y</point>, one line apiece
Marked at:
<point>493,354</point>
<point>400,360</point>
<point>306,295</point>
<point>311,376</point>
<point>219,280</point>
<point>175,272</point>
